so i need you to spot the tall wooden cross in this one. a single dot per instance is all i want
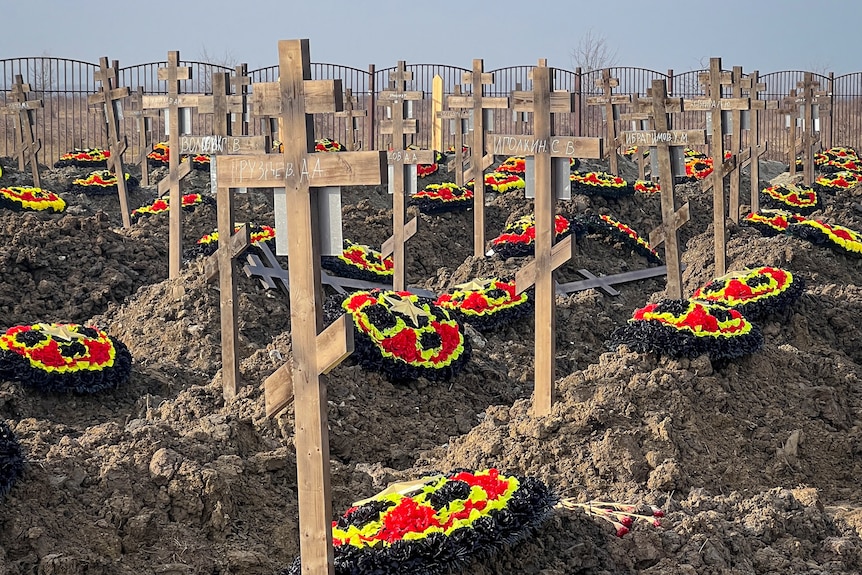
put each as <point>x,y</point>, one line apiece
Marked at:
<point>352,115</point>
<point>479,160</point>
<point>456,119</point>
<point>109,98</point>
<point>315,351</point>
<point>805,103</point>
<point>240,82</point>
<point>402,166</point>
<point>641,119</point>
<point>143,124</point>
<point>544,147</point>
<point>716,105</point>
<point>660,140</point>
<point>26,145</point>
<point>752,86</point>
<point>610,107</point>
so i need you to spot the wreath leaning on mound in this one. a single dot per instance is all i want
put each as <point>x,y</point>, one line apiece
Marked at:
<point>755,293</point>
<point>84,158</point>
<point>11,458</point>
<point>208,244</point>
<point>360,262</point>
<point>486,304</point>
<point>445,197</point>
<point>600,184</point>
<point>686,328</point>
<point>618,231</point>
<point>519,237</point>
<point>841,239</point>
<point>28,199</point>
<point>449,521</point>
<point>63,357</point>
<point>771,222</point>
<point>797,199</point>
<point>402,335</point>
<point>160,206</point>
<point>101,182</point>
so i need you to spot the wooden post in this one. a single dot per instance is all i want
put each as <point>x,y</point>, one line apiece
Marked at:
<point>145,140</point>
<point>640,121</point>
<point>756,148</point>
<point>402,164</point>
<point>314,351</point>
<point>519,119</point>
<point>456,119</point>
<point>108,98</point>
<point>27,146</point>
<point>479,161</point>
<point>351,114</point>
<point>543,146</point>
<point>790,107</point>
<point>240,82</point>
<point>661,140</point>
<point>810,98</point>
<point>436,108</point>
<point>610,104</point>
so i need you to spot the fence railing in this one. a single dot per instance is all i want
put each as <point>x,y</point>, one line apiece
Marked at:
<point>66,121</point>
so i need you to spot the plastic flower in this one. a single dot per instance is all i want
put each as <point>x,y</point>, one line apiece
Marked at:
<point>327,145</point>
<point>820,233</point>
<point>771,222</point>
<point>753,292</point>
<point>619,231</point>
<point>159,206</point>
<point>513,165</point>
<point>688,328</point>
<point>404,336</point>
<point>519,237</point>
<point>798,199</point>
<point>647,187</point>
<point>160,156</point>
<point>500,182</point>
<point>486,304</point>
<point>621,515</point>
<point>600,184</point>
<point>446,522</point>
<point>359,261</point>
<point>84,157</point>
<point>30,199</point>
<point>435,198</point>
<point>100,182</point>
<point>208,244</point>
<point>843,180</point>
<point>63,357</point>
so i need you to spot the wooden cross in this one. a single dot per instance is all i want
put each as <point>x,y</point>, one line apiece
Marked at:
<point>315,351</point>
<point>109,98</point>
<point>801,104</point>
<point>352,116</point>
<point>173,73</point>
<point>142,120</point>
<point>519,119</point>
<point>240,82</point>
<point>402,166</point>
<point>641,119</point>
<point>752,86</point>
<point>713,102</point>
<point>610,108</point>
<point>607,283</point>
<point>479,160</point>
<point>456,119</point>
<point>543,146</point>
<point>26,145</point>
<point>660,140</point>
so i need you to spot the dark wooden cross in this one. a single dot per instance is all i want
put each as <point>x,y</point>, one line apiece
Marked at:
<point>352,115</point>
<point>610,106</point>
<point>240,82</point>
<point>479,160</point>
<point>716,105</point>
<point>315,351</point>
<point>456,118</point>
<point>109,98</point>
<point>26,144</point>
<point>660,140</point>
<point>143,120</point>
<point>402,166</point>
<point>544,147</point>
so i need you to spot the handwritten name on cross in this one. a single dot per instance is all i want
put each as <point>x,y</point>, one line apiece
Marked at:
<point>109,99</point>
<point>542,101</point>
<point>640,119</point>
<point>477,102</point>
<point>456,118</point>
<point>26,145</point>
<point>610,107</point>
<point>715,104</point>
<point>660,141</point>
<point>352,115</point>
<point>315,351</point>
<point>402,166</point>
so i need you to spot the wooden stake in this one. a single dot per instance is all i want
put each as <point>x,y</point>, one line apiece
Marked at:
<point>610,104</point>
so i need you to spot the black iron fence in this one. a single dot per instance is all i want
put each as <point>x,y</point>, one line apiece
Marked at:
<point>66,121</point>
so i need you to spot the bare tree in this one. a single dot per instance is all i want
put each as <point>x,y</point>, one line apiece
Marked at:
<point>593,53</point>
<point>226,60</point>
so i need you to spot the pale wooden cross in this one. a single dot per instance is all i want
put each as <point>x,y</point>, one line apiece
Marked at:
<point>660,140</point>
<point>610,106</point>
<point>790,107</point>
<point>808,98</point>
<point>240,82</point>
<point>402,164</point>
<point>109,98</point>
<point>352,115</point>
<point>479,160</point>
<point>315,351</point>
<point>143,123</point>
<point>26,144</point>
<point>456,119</point>
<point>544,147</point>
<point>752,86</point>
<point>640,120</point>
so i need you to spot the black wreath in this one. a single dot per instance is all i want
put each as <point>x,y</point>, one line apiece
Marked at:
<point>96,190</point>
<point>764,306</point>
<point>438,554</point>
<point>771,201</point>
<point>806,230</point>
<point>595,224</point>
<point>343,269</point>
<point>11,458</point>
<point>488,322</point>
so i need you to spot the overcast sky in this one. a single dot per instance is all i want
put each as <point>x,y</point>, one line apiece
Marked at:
<point>766,35</point>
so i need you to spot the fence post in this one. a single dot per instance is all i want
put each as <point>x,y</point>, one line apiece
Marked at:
<point>371,115</point>
<point>578,102</point>
<point>830,125</point>
<point>670,82</point>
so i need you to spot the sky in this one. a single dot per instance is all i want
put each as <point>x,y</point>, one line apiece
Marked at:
<point>764,35</point>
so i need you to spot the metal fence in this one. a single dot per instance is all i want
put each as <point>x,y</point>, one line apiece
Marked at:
<point>66,121</point>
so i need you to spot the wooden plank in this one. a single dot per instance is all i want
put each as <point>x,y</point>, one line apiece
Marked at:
<point>488,102</point>
<point>561,102</point>
<point>408,126</point>
<point>227,292</point>
<point>239,242</point>
<point>320,96</point>
<point>708,104</point>
<point>334,344</point>
<point>611,280</point>
<point>217,145</point>
<point>409,156</point>
<point>161,102</point>
<point>557,146</point>
<point>563,251</point>
<point>317,169</point>
<point>669,137</point>
<point>164,185</point>
<point>278,390</point>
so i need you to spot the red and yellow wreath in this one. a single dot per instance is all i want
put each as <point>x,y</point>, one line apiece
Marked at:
<point>648,187</point>
<point>753,292</point>
<point>513,165</point>
<point>328,145</point>
<point>360,262</point>
<point>18,198</point>
<point>435,198</point>
<point>771,222</point>
<point>160,206</point>
<point>632,151</point>
<point>618,231</point>
<point>843,180</point>
<point>797,199</point>
<point>820,233</point>
<point>519,237</point>
<point>688,328</point>
<point>84,157</point>
<point>437,524</point>
<point>101,182</point>
<point>486,304</point>
<point>63,357</point>
<point>425,170</point>
<point>208,244</point>
<point>500,182</point>
<point>160,155</point>
<point>600,184</point>
<point>404,336</point>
